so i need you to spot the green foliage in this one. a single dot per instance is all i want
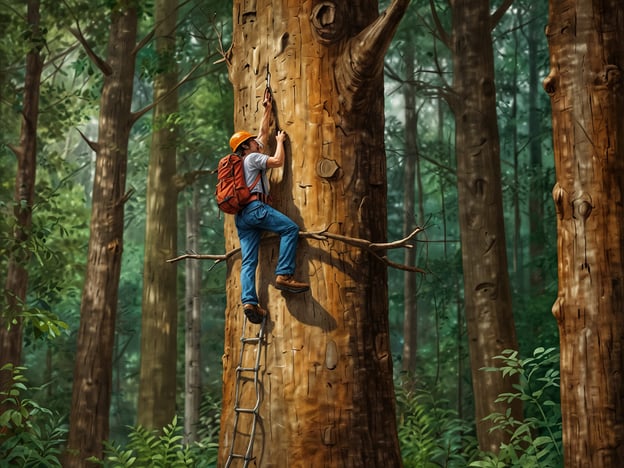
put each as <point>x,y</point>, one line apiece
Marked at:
<point>430,433</point>
<point>537,440</point>
<point>31,435</point>
<point>149,449</point>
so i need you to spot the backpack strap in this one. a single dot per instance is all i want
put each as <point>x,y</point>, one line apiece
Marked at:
<point>255,182</point>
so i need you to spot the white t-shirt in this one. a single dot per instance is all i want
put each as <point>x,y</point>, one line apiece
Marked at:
<point>254,163</point>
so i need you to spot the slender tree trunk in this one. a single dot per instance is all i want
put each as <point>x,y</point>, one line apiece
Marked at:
<point>192,348</point>
<point>517,262</point>
<point>410,308</point>
<point>326,386</point>
<point>486,280</point>
<point>537,189</point>
<point>89,418</point>
<point>16,283</point>
<point>586,41</point>
<point>157,387</point>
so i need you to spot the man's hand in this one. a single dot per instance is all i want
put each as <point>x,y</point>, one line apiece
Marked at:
<point>281,136</point>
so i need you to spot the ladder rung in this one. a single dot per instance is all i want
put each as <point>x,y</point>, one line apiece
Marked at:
<point>246,369</point>
<point>246,410</point>
<point>251,340</point>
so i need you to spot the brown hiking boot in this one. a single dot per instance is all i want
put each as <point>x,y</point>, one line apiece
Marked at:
<point>254,313</point>
<point>290,284</point>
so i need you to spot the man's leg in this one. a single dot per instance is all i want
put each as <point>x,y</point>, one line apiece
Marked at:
<point>289,236</point>
<point>249,242</point>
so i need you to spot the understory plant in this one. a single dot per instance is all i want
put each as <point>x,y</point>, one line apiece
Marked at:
<point>30,434</point>
<point>430,433</point>
<point>536,441</point>
<point>166,448</point>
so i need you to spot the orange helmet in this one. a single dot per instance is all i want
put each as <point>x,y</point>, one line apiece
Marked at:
<point>238,138</point>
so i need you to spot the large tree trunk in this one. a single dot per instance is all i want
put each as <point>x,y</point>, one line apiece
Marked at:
<point>586,40</point>
<point>486,280</point>
<point>326,382</point>
<point>157,388</point>
<point>89,419</point>
<point>17,274</point>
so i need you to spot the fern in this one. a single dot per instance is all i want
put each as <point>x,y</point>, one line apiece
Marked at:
<point>431,435</point>
<point>147,448</point>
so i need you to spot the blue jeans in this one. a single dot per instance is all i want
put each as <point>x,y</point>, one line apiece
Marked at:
<point>250,222</point>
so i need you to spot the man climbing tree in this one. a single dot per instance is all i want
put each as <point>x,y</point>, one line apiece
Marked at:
<point>257,215</point>
<point>326,383</point>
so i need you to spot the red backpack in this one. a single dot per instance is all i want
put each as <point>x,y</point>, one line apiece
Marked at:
<point>232,191</point>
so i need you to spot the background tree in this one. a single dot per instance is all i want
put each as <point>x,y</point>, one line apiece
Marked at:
<point>91,395</point>
<point>192,335</point>
<point>157,389</point>
<point>487,293</point>
<point>328,391</point>
<point>16,285</point>
<point>586,41</point>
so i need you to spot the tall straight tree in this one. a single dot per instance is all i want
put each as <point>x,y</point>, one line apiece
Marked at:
<point>537,194</point>
<point>17,273</point>
<point>487,293</point>
<point>192,325</point>
<point>410,307</point>
<point>586,42</point>
<point>89,418</point>
<point>157,386</point>
<point>327,385</point>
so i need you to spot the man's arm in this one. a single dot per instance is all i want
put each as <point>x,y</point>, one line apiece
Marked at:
<point>263,133</point>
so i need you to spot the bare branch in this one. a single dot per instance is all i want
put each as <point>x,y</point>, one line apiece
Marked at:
<point>225,54</point>
<point>17,150</point>
<point>323,235</point>
<point>146,39</point>
<point>95,58</point>
<point>92,144</point>
<point>195,256</point>
<point>498,14</point>
<point>442,34</point>
<point>140,113</point>
<point>150,35</point>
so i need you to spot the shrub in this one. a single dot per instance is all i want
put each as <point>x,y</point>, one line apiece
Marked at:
<point>30,435</point>
<point>537,440</point>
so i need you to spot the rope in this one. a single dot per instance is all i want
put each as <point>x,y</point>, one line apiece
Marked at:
<point>273,108</point>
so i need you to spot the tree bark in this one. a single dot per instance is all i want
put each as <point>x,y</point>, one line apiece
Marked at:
<point>16,284</point>
<point>487,292</point>
<point>326,386</point>
<point>159,320</point>
<point>89,418</point>
<point>586,42</point>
